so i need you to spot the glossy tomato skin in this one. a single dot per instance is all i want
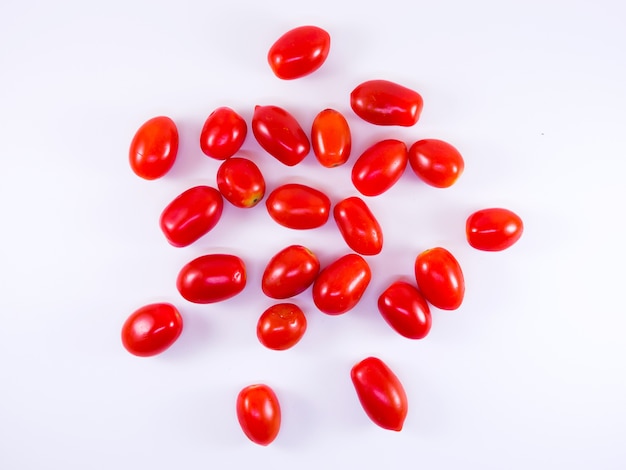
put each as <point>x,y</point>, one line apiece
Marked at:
<point>212,278</point>
<point>281,326</point>
<point>404,308</point>
<point>154,147</point>
<point>331,138</point>
<point>299,52</point>
<point>290,271</point>
<point>298,206</point>
<point>379,167</point>
<point>280,134</point>
<point>381,393</point>
<point>191,215</point>
<point>341,284</point>
<point>358,226</point>
<point>151,329</point>
<point>493,229</point>
<point>386,103</point>
<point>258,413</point>
<point>223,133</point>
<point>241,182</point>
<point>436,162</point>
<point>439,278</point>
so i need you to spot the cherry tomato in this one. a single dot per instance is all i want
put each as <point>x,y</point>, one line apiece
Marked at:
<point>153,148</point>
<point>258,412</point>
<point>290,271</point>
<point>493,229</point>
<point>223,133</point>
<point>436,162</point>
<point>340,286</point>
<point>386,103</point>
<point>358,226</point>
<point>280,135</point>
<point>381,393</point>
<point>298,206</point>
<point>405,310</point>
<point>439,278</point>
<point>191,215</point>
<point>241,182</point>
<point>299,52</point>
<point>212,278</point>
<point>331,138</point>
<point>281,326</point>
<point>379,167</point>
<point>151,329</point>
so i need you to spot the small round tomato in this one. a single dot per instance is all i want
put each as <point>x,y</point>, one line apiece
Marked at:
<point>212,278</point>
<point>258,413</point>
<point>439,278</point>
<point>299,52</point>
<point>281,326</point>
<point>386,103</point>
<point>358,226</point>
<point>340,286</point>
<point>290,271</point>
<point>331,138</point>
<point>405,310</point>
<point>379,167</point>
<point>436,162</point>
<point>381,393</point>
<point>280,135</point>
<point>298,206</point>
<point>241,182</point>
<point>493,229</point>
<point>151,329</point>
<point>191,215</point>
<point>223,133</point>
<point>153,148</point>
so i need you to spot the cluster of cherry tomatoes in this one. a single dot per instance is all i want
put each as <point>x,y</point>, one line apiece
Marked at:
<point>339,286</point>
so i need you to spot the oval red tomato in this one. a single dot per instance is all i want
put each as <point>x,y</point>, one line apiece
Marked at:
<point>358,226</point>
<point>331,138</point>
<point>280,135</point>
<point>404,308</point>
<point>281,326</point>
<point>379,167</point>
<point>212,278</point>
<point>298,206</point>
<point>223,133</point>
<point>151,329</point>
<point>153,148</point>
<point>436,162</point>
<point>299,52</point>
<point>381,393</point>
<point>493,229</point>
<point>439,278</point>
<point>191,215</point>
<point>258,413</point>
<point>386,103</point>
<point>290,271</point>
<point>241,182</point>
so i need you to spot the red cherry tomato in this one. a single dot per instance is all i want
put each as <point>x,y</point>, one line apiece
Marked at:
<point>358,226</point>
<point>439,278</point>
<point>298,206</point>
<point>299,52</point>
<point>212,278</point>
<point>151,329</point>
<point>436,162</point>
<point>340,286</point>
<point>223,133</point>
<point>258,412</point>
<point>290,271</point>
<point>331,138</point>
<point>405,310</point>
<point>153,148</point>
<point>381,393</point>
<point>379,167</point>
<point>280,135</point>
<point>281,326</point>
<point>241,182</point>
<point>386,103</point>
<point>191,215</point>
<point>493,229</point>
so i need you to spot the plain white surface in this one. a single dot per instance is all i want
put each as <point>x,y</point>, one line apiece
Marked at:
<point>528,373</point>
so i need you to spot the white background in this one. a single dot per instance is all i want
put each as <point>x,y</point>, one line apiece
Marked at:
<point>528,373</point>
